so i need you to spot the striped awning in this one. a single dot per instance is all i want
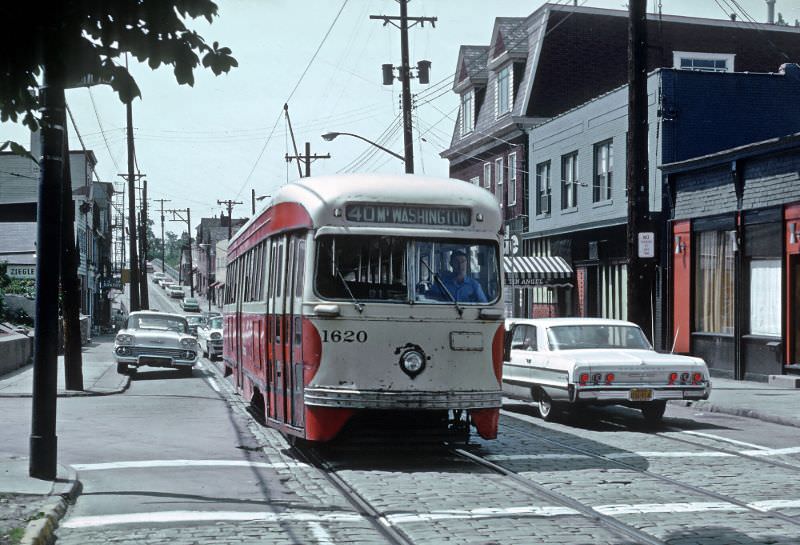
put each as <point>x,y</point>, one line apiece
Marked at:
<point>532,271</point>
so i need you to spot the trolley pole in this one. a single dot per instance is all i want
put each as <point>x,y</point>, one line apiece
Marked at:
<point>640,226</point>
<point>229,204</point>
<point>404,72</point>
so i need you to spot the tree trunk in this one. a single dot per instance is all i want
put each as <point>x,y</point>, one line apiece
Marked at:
<point>70,284</point>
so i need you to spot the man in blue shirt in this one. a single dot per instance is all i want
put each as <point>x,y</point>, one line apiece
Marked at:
<point>461,286</point>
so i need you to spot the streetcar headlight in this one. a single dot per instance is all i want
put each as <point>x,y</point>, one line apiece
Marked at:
<point>188,343</point>
<point>412,362</point>
<point>124,340</point>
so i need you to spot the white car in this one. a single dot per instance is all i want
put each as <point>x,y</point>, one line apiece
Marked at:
<point>175,291</point>
<point>209,337</point>
<point>155,339</point>
<point>562,362</point>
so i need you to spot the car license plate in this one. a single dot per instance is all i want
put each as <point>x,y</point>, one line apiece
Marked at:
<point>155,361</point>
<point>641,394</point>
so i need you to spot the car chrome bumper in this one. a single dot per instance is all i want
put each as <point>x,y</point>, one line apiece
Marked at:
<point>624,394</point>
<point>381,399</point>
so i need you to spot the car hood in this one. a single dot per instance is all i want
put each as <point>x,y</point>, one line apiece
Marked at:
<point>616,358</point>
<point>146,336</point>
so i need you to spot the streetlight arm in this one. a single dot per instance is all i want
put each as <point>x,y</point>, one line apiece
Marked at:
<point>331,135</point>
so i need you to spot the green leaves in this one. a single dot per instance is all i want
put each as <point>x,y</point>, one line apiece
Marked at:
<point>17,149</point>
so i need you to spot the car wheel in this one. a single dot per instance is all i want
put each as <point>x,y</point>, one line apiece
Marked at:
<point>122,368</point>
<point>547,409</point>
<point>653,412</point>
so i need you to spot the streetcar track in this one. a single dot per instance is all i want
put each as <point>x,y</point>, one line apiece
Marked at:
<point>663,478</point>
<point>609,523</point>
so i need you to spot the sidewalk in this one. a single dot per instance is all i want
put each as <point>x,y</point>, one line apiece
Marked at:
<point>31,508</point>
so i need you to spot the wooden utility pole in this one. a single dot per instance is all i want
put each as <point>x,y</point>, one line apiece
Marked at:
<point>43,440</point>
<point>143,292</point>
<point>177,215</point>
<point>163,244</point>
<point>405,72</point>
<point>640,233</point>
<point>305,159</point>
<point>229,204</point>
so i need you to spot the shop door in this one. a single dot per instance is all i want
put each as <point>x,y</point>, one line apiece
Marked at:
<point>794,309</point>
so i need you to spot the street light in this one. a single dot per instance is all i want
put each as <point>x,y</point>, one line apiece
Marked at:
<point>331,135</point>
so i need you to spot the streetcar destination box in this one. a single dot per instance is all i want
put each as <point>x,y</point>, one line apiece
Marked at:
<point>409,215</point>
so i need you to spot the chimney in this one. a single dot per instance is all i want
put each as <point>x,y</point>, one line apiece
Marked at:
<point>771,12</point>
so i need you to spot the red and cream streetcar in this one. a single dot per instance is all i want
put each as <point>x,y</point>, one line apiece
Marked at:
<point>368,295</point>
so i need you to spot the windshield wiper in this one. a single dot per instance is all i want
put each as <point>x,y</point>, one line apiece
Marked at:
<point>441,284</point>
<point>359,305</point>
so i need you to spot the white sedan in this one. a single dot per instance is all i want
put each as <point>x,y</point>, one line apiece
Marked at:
<point>561,362</point>
<point>156,339</point>
<point>209,337</point>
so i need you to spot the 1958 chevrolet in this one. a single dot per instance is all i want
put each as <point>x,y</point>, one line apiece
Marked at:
<point>570,362</point>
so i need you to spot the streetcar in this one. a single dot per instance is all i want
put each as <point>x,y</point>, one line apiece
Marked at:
<point>362,295</point>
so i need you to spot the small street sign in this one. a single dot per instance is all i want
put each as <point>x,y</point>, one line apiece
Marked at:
<point>647,245</point>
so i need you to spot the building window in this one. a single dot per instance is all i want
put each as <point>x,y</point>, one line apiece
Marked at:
<point>765,297</point>
<point>467,111</point>
<point>498,180</point>
<point>543,188</point>
<point>603,171</point>
<point>569,180</point>
<point>512,179</point>
<point>504,91</point>
<point>703,62</point>
<point>713,282</point>
<point>487,175</point>
<point>475,181</point>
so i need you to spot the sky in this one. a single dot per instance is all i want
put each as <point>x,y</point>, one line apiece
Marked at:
<point>227,135</point>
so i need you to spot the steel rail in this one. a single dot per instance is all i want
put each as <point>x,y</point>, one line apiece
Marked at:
<point>610,523</point>
<point>393,535</point>
<point>663,478</point>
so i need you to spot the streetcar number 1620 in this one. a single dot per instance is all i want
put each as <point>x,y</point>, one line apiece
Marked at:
<point>346,336</point>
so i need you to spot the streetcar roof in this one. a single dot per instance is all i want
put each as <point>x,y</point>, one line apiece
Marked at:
<point>321,196</point>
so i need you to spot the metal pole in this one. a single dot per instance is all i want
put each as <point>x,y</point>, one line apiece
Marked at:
<point>134,258</point>
<point>191,272</point>
<point>143,244</point>
<point>405,73</point>
<point>43,440</point>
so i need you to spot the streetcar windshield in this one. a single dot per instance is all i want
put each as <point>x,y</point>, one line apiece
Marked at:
<point>403,269</point>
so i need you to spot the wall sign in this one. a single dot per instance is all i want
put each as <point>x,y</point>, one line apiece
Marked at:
<point>647,245</point>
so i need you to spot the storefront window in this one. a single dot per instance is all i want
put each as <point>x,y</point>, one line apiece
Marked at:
<point>765,297</point>
<point>714,271</point>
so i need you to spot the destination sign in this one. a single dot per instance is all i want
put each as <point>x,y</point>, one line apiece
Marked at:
<point>409,215</point>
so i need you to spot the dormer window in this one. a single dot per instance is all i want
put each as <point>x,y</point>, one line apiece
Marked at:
<point>503,91</point>
<point>467,112</point>
<point>703,62</point>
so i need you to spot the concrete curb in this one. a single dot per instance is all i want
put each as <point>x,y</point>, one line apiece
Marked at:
<point>79,393</point>
<point>737,411</point>
<point>41,531</point>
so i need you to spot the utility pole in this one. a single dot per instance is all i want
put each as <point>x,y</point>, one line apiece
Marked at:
<point>131,179</point>
<point>43,440</point>
<point>229,204</point>
<point>404,72</point>
<point>306,159</point>
<point>143,293</point>
<point>162,201</point>
<point>640,233</point>
<point>177,216</point>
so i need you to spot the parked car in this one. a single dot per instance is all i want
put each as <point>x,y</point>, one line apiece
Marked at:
<point>158,276</point>
<point>190,304</point>
<point>195,321</point>
<point>175,291</point>
<point>166,283</point>
<point>148,266</point>
<point>572,362</point>
<point>155,339</point>
<point>209,337</point>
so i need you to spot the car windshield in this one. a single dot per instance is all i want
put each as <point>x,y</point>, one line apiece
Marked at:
<point>575,337</point>
<point>159,322</point>
<point>215,323</point>
<point>190,301</point>
<point>401,270</point>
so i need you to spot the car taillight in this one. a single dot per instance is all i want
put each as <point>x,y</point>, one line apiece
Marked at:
<point>697,378</point>
<point>584,378</point>
<point>610,378</point>
<point>672,378</point>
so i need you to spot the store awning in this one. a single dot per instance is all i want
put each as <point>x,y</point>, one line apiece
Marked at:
<point>533,271</point>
